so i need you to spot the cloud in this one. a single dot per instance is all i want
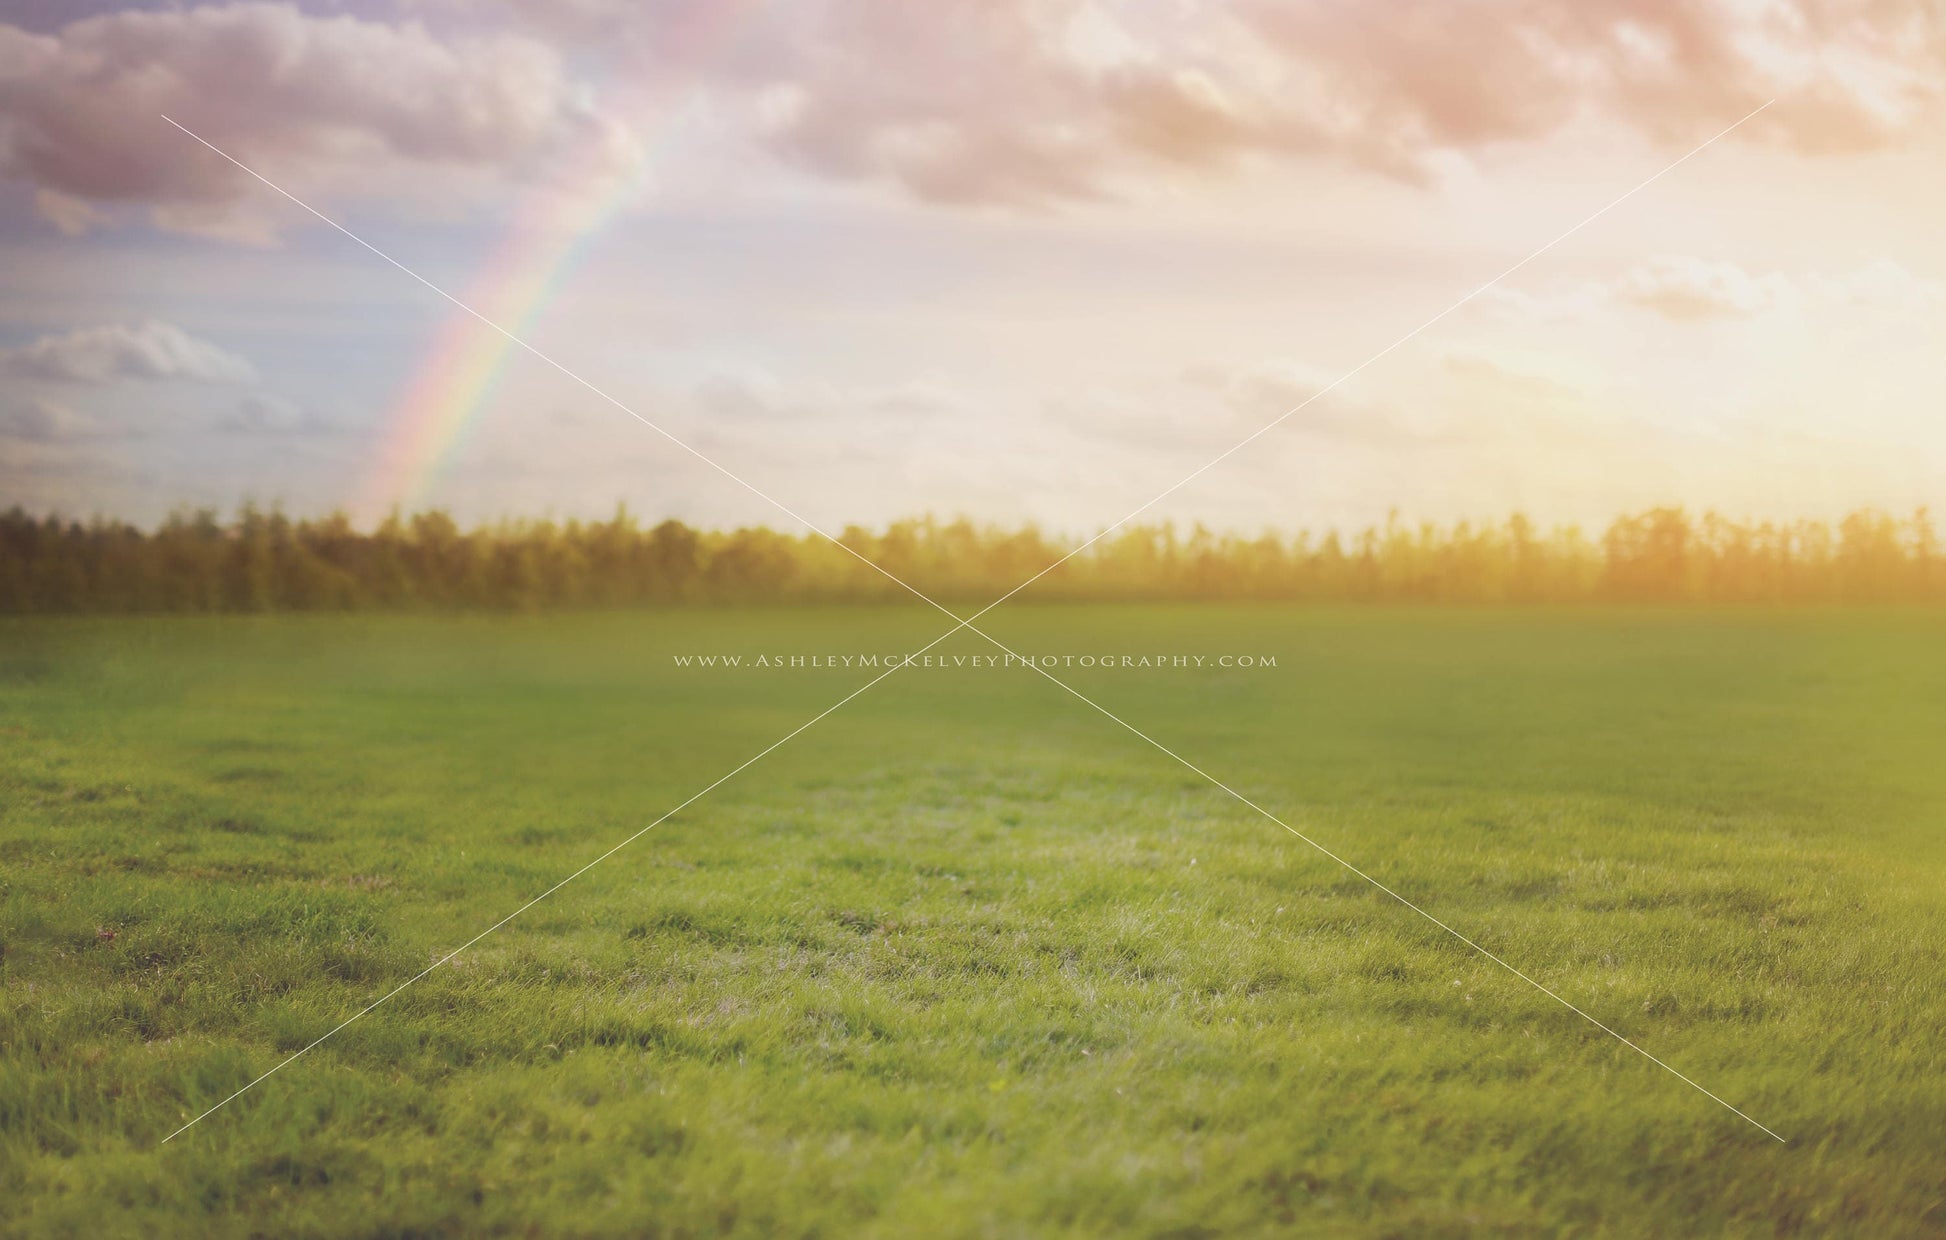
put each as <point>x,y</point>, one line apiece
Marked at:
<point>1017,103</point>
<point>150,350</point>
<point>1420,74</point>
<point>747,394</point>
<point>954,102</point>
<point>45,421</point>
<point>1691,288</point>
<point>1210,408</point>
<point>1032,102</point>
<point>1265,390</point>
<point>1490,401</point>
<point>753,395</point>
<point>1882,285</point>
<point>1687,289</point>
<point>337,104</point>
<point>265,413</point>
<point>1303,400</point>
<point>1465,410</point>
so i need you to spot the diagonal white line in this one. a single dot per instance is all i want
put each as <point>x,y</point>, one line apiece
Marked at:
<point>698,453</point>
<point>1186,763</point>
<point>697,796</point>
<point>1304,404</point>
<point>965,623</point>
<point>672,438</point>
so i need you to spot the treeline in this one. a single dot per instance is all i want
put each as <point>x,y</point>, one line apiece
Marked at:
<point>264,561</point>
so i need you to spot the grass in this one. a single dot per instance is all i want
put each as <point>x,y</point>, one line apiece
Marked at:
<point>966,959</point>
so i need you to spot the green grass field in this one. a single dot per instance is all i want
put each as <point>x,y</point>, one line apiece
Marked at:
<point>965,958</point>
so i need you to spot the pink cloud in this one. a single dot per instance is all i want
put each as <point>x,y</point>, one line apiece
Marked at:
<point>336,102</point>
<point>969,101</point>
<point>1021,103</point>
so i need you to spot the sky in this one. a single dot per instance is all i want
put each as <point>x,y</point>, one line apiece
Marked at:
<point>1021,260</point>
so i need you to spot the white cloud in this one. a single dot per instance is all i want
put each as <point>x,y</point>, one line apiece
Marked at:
<point>266,413</point>
<point>1882,285</point>
<point>44,421</point>
<point>1692,288</point>
<point>755,396</point>
<point>150,350</point>
<point>1209,408</point>
<point>1688,289</point>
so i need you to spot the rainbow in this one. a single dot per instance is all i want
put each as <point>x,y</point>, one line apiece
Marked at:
<point>429,418</point>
